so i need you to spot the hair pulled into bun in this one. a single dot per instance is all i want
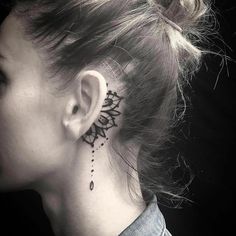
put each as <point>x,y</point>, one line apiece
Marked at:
<point>191,17</point>
<point>154,59</point>
<point>185,12</point>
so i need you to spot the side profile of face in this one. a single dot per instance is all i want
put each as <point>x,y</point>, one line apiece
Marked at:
<point>31,133</point>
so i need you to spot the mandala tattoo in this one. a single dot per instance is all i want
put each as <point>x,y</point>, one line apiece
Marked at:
<point>106,120</point>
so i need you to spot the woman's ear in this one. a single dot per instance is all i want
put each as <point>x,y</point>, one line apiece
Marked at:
<point>85,103</point>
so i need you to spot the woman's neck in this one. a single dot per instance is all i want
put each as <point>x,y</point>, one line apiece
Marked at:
<point>73,209</point>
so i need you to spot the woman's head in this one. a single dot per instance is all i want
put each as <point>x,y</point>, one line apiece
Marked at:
<point>140,57</point>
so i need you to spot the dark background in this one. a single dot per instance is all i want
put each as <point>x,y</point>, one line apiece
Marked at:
<point>206,140</point>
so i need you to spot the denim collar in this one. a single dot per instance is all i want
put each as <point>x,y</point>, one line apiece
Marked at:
<point>149,223</point>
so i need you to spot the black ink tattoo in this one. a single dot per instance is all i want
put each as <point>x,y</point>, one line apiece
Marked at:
<point>106,120</point>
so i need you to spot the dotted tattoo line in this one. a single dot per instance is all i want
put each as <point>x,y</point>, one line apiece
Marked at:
<point>91,185</point>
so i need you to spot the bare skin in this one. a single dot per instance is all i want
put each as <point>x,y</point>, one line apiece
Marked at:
<point>41,145</point>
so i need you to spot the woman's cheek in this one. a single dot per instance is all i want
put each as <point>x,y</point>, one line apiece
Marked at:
<point>26,137</point>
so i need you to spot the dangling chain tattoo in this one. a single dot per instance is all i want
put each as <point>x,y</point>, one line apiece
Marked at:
<point>106,121</point>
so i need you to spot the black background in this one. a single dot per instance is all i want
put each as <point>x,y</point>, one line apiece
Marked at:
<point>207,141</point>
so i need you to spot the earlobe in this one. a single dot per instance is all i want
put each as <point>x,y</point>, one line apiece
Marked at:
<point>86,99</point>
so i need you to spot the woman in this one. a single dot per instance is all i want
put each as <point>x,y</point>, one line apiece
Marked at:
<point>89,91</point>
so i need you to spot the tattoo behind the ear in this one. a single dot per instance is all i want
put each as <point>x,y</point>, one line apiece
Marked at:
<point>106,120</point>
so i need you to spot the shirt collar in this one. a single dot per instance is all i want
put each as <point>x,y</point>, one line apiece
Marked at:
<point>149,222</point>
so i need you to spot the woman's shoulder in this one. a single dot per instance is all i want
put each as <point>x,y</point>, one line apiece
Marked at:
<point>151,222</point>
